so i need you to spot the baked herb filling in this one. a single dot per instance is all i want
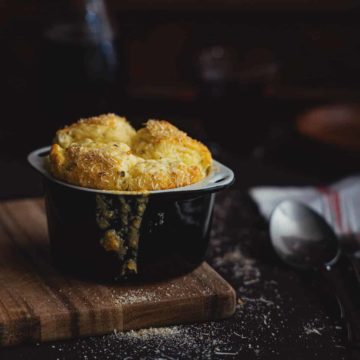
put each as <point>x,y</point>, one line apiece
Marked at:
<point>119,218</point>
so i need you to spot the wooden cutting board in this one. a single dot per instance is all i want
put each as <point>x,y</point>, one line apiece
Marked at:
<point>37,303</point>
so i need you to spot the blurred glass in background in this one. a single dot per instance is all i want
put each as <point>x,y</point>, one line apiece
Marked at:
<point>83,71</point>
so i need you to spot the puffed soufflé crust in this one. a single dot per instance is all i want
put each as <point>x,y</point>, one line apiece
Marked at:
<point>103,129</point>
<point>106,152</point>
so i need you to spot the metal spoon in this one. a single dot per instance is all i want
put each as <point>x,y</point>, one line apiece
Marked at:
<point>304,240</point>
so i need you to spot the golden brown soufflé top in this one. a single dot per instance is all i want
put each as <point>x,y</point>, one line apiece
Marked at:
<point>105,152</point>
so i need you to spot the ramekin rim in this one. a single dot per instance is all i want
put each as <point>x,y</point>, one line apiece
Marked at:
<point>220,177</point>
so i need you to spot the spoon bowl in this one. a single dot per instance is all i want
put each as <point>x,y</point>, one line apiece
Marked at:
<point>301,237</point>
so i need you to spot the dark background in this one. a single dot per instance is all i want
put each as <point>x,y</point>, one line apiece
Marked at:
<point>235,74</point>
<point>270,58</point>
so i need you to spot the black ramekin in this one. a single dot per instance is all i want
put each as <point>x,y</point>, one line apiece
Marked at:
<point>166,232</point>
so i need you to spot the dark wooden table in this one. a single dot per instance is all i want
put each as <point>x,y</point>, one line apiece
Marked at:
<point>281,314</point>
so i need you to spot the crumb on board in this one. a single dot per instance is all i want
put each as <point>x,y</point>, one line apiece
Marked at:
<point>149,333</point>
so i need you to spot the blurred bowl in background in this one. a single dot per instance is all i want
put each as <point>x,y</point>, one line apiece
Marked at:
<point>337,125</point>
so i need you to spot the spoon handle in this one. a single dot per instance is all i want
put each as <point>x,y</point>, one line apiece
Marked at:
<point>343,280</point>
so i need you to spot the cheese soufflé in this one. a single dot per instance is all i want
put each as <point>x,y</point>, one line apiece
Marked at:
<point>105,152</point>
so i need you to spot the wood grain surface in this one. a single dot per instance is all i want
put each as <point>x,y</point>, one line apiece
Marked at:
<point>38,303</point>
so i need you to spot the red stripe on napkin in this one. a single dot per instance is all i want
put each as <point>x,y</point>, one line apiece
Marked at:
<point>333,199</point>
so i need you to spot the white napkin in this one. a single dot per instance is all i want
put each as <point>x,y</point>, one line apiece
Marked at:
<point>339,203</point>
